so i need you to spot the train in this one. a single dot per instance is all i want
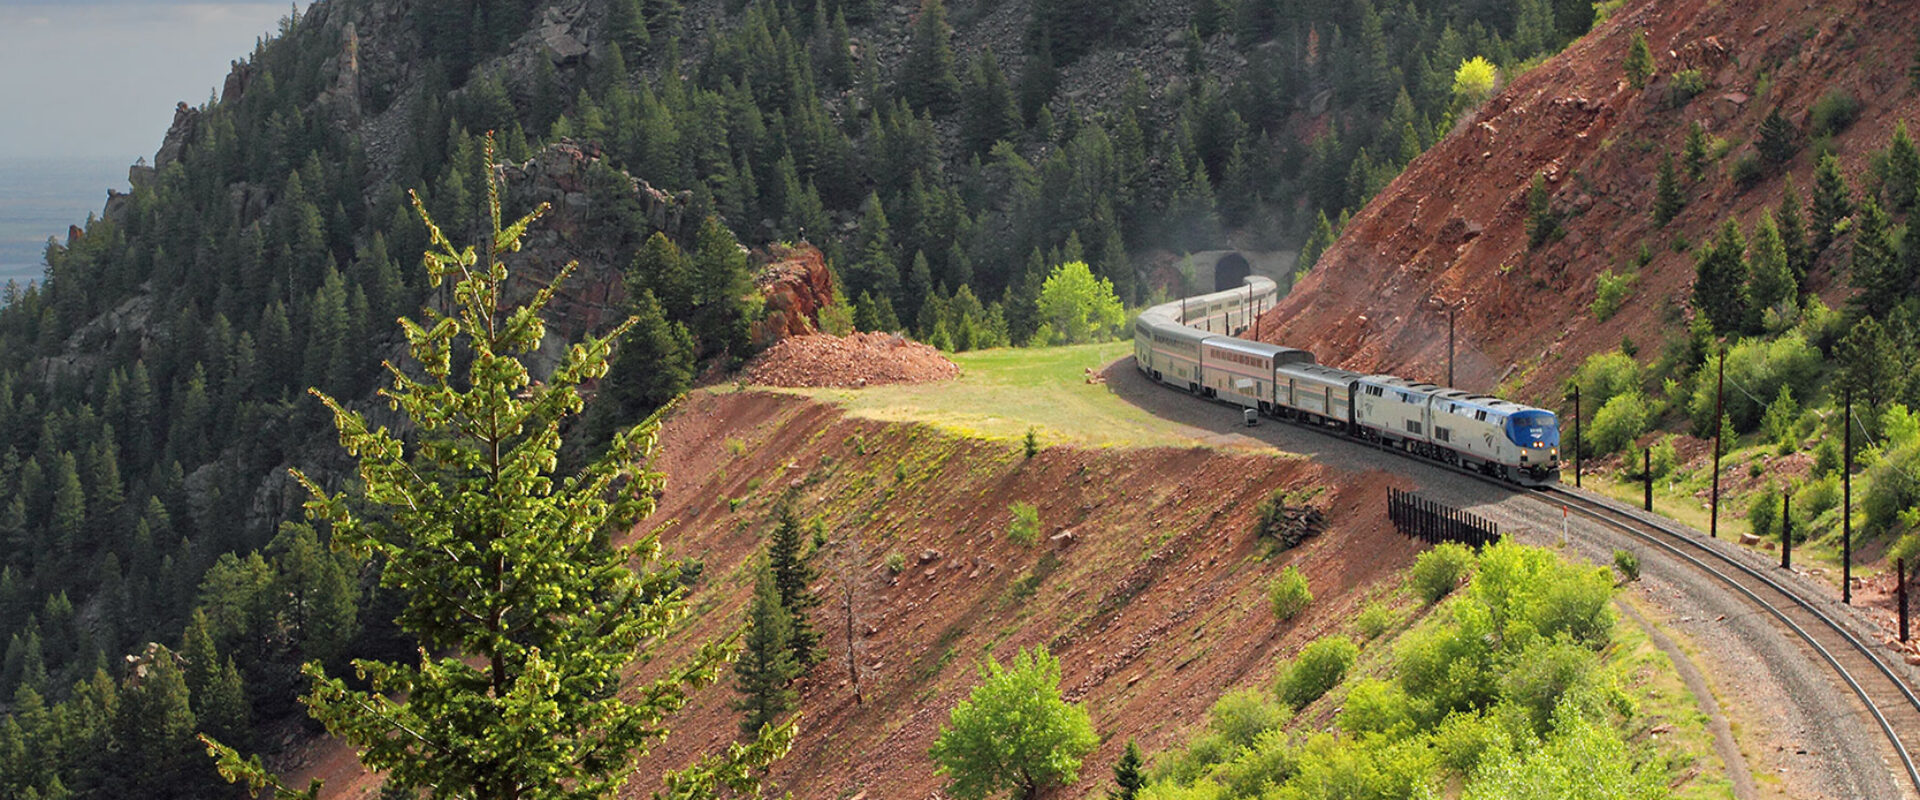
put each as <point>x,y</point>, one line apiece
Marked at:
<point>1190,344</point>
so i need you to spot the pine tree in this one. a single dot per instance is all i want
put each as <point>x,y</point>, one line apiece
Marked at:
<point>1903,171</point>
<point>1720,282</point>
<point>627,25</point>
<point>1867,364</point>
<point>506,570</point>
<point>794,577</point>
<point>928,81</point>
<point>153,732</point>
<point>989,113</point>
<point>1694,154</point>
<point>1129,775</point>
<point>1832,202</point>
<point>653,364</point>
<point>1667,199</point>
<point>1771,285</point>
<point>722,282</point>
<point>1877,272</point>
<point>1778,140</point>
<point>1542,224</point>
<point>1318,242</point>
<point>321,595</point>
<point>1639,62</point>
<point>764,673</point>
<point>1793,237</point>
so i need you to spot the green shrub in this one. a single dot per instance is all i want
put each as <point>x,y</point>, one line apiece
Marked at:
<point>1817,497</point>
<point>1759,369</point>
<point>1604,375</point>
<point>1531,592</point>
<point>896,561</point>
<point>1268,760</point>
<point>1666,458</point>
<point>1685,85</point>
<point>1834,112</point>
<point>1891,490</point>
<point>1025,527</point>
<point>1747,170</point>
<point>1583,758</point>
<point>1619,423</point>
<point>1240,716</point>
<point>1436,572</point>
<point>1542,674</point>
<point>1763,511</point>
<point>1374,619</point>
<point>1289,594</point>
<point>1463,739</point>
<point>1322,664</point>
<point>1449,666</point>
<point>1032,442</point>
<point>1610,291</point>
<point>1628,564</point>
<point>1375,706</point>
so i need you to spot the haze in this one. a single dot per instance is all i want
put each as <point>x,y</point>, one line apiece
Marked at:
<point>86,79</point>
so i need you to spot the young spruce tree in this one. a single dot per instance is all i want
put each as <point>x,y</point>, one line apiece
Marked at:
<point>766,669</point>
<point>794,577</point>
<point>527,618</point>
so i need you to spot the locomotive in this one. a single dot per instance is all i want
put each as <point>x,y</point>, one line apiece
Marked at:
<point>1188,344</point>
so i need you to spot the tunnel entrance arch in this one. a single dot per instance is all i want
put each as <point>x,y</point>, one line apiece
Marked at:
<point>1230,271</point>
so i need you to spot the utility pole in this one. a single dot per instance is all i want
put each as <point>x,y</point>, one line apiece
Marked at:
<point>1786,527</point>
<point>1719,391</point>
<point>1576,436</point>
<point>1450,346</point>
<point>1846,505</point>
<point>1646,473</point>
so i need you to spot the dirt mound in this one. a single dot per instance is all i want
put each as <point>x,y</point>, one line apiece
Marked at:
<point>863,359</point>
<point>1450,233</point>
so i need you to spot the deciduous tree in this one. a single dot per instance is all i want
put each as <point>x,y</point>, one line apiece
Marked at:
<point>1014,731</point>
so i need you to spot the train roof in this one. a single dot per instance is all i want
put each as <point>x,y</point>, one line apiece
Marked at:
<point>1322,372</point>
<point>1174,310</point>
<point>1405,384</point>
<point>1260,349</point>
<point>1486,402</point>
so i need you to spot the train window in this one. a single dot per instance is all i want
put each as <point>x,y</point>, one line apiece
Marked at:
<point>1413,427</point>
<point>1480,416</point>
<point>1443,434</point>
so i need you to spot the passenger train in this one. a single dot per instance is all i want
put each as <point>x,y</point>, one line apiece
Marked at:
<point>1189,344</point>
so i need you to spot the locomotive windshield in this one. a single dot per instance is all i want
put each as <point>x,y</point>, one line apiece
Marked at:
<point>1534,429</point>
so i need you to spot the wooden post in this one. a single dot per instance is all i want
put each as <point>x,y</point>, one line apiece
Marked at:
<point>1646,473</point>
<point>1720,389</point>
<point>1576,436</point>
<point>1846,506</point>
<point>1900,593</point>
<point>1786,528</point>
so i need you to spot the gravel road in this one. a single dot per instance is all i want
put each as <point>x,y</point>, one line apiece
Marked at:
<point>1802,731</point>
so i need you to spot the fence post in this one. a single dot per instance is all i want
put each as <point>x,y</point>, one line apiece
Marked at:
<point>1900,591</point>
<point>1646,471</point>
<point>1786,530</point>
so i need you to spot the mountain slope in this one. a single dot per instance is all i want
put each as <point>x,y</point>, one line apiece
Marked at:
<point>1450,231</point>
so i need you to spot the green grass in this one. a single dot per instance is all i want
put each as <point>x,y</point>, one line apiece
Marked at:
<point>1002,392</point>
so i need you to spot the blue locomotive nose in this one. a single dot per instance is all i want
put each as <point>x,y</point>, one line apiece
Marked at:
<point>1534,429</point>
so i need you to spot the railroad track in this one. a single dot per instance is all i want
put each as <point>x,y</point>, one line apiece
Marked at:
<point>1888,699</point>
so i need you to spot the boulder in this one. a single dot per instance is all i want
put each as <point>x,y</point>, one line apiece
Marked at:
<point>796,286</point>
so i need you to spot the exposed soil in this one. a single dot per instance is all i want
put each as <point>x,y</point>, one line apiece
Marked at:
<point>1450,231</point>
<point>1146,580</point>
<point>862,359</point>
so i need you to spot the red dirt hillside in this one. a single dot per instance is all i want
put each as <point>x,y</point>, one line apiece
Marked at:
<point>1450,230</point>
<point>1146,579</point>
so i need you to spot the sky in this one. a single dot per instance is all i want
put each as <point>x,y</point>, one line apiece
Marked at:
<point>99,78</point>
